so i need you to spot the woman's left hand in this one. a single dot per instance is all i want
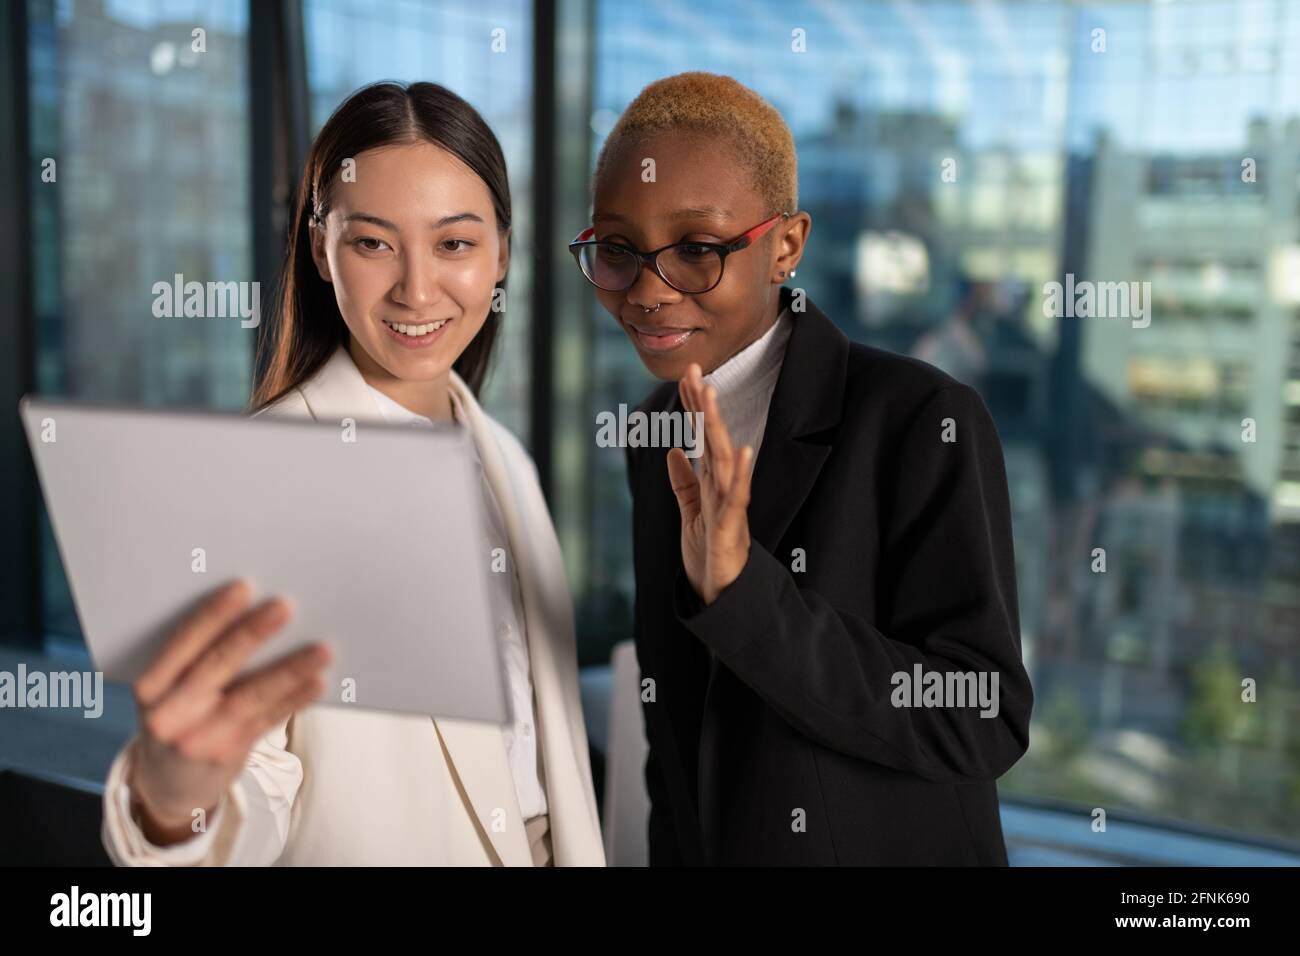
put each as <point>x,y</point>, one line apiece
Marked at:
<point>713,505</point>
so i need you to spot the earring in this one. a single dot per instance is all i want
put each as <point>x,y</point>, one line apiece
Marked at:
<point>793,273</point>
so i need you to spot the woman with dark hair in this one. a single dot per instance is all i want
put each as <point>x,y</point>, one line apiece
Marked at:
<point>388,312</point>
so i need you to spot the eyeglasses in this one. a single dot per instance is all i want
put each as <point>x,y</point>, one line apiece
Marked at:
<point>690,267</point>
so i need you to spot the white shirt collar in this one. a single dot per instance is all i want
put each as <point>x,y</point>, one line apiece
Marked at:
<point>396,413</point>
<point>757,364</point>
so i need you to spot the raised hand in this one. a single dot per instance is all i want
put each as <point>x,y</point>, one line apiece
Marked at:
<point>714,505</point>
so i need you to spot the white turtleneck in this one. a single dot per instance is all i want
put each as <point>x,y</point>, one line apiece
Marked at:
<point>745,383</point>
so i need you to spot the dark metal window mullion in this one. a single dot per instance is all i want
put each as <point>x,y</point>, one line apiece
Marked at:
<point>541,313</point>
<point>21,582</point>
<point>280,134</point>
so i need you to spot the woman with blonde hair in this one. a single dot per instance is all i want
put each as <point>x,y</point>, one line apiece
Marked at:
<point>846,528</point>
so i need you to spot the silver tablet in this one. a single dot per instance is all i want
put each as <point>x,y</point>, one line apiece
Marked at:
<point>376,535</point>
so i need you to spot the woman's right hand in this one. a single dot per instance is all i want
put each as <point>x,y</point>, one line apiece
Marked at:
<point>199,719</point>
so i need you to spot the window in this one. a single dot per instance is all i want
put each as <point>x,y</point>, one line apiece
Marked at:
<point>483,53</point>
<point>139,125</point>
<point>1120,164</point>
<point>1153,456</point>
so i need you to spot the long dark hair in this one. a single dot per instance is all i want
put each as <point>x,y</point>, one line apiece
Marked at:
<point>307,326</point>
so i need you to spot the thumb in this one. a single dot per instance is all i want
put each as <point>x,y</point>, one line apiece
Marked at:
<point>685,485</point>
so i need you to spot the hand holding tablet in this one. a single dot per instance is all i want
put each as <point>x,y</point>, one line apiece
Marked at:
<point>199,719</point>
<point>375,535</point>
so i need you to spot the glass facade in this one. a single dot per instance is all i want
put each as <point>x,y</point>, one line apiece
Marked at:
<point>139,127</point>
<point>483,53</point>
<point>959,158</point>
<point>1090,212</point>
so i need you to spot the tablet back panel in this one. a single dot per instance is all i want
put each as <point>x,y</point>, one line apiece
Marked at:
<point>379,543</point>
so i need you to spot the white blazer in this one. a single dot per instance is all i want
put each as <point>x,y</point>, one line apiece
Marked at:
<point>334,787</point>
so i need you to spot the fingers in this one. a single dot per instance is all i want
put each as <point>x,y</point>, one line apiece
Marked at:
<point>686,487</point>
<point>224,659</point>
<point>717,442</point>
<point>691,388</point>
<point>308,692</point>
<point>227,740</point>
<point>199,689</point>
<point>692,406</point>
<point>684,392</point>
<point>719,458</point>
<point>737,503</point>
<point>198,629</point>
<point>264,689</point>
<point>255,701</point>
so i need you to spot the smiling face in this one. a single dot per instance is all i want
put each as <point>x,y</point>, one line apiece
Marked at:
<point>413,252</point>
<point>701,194</point>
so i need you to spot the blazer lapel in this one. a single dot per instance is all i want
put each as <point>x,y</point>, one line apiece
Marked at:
<point>477,754</point>
<point>806,403</point>
<point>338,391</point>
<point>476,751</point>
<point>548,615</point>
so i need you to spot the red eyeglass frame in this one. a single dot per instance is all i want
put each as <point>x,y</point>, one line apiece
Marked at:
<point>723,249</point>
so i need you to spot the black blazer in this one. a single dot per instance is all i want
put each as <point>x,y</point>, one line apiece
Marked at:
<point>772,735</point>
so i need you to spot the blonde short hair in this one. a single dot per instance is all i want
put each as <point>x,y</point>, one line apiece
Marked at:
<point>719,105</point>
